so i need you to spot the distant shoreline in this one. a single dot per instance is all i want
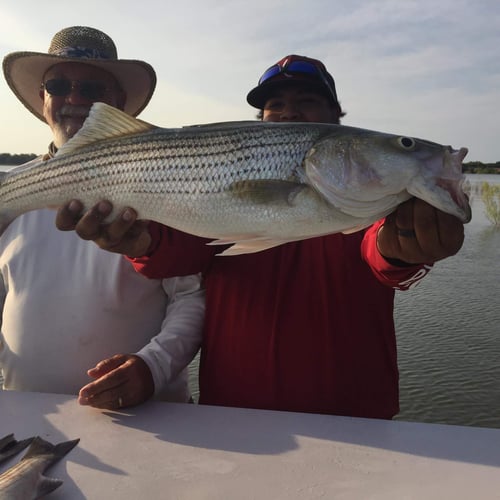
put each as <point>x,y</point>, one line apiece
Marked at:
<point>7,159</point>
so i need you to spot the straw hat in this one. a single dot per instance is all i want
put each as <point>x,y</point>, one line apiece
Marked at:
<point>24,71</point>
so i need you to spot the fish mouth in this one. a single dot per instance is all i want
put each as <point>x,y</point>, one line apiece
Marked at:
<point>443,187</point>
<point>454,184</point>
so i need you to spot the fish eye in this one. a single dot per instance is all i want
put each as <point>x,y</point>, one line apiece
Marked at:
<point>406,142</point>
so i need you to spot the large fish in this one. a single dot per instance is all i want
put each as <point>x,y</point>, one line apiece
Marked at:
<point>253,184</point>
<point>25,480</point>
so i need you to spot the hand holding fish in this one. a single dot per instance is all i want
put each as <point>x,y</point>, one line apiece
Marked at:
<point>416,232</point>
<point>124,234</point>
<point>122,380</point>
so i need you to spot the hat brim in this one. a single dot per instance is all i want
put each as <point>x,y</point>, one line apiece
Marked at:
<point>258,96</point>
<point>24,71</point>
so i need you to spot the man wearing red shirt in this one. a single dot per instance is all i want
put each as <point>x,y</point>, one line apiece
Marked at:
<point>306,326</point>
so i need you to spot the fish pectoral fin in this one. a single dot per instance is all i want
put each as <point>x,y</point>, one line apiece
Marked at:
<point>234,238</point>
<point>251,246</point>
<point>47,485</point>
<point>267,191</point>
<point>104,122</point>
<point>240,244</point>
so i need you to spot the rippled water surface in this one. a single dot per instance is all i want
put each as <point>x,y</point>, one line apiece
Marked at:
<point>448,330</point>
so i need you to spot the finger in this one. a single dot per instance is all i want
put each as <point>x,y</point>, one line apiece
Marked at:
<point>110,400</point>
<point>113,397</point>
<point>404,215</point>
<point>89,226</point>
<point>134,242</point>
<point>104,391</point>
<point>106,382</point>
<point>439,235</point>
<point>121,225</point>
<point>451,233</point>
<point>140,240</point>
<point>107,365</point>
<point>387,241</point>
<point>417,231</point>
<point>127,235</point>
<point>99,393</point>
<point>397,238</point>
<point>410,250</point>
<point>68,215</point>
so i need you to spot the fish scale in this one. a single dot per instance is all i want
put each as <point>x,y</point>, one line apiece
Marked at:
<point>252,183</point>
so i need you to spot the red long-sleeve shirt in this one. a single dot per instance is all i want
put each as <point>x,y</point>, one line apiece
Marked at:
<point>307,326</point>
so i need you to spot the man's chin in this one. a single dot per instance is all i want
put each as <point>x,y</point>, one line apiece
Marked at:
<point>66,130</point>
<point>70,126</point>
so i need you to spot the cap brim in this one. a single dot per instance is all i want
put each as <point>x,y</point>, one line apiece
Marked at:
<point>24,71</point>
<point>258,96</point>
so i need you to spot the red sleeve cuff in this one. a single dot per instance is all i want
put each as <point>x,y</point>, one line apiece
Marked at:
<point>396,276</point>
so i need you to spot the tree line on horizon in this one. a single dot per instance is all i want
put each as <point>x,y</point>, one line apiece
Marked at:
<point>477,167</point>
<point>472,167</point>
<point>16,159</point>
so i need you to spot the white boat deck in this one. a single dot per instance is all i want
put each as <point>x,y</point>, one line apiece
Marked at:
<point>175,451</point>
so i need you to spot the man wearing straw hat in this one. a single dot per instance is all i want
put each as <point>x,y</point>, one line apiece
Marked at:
<point>69,307</point>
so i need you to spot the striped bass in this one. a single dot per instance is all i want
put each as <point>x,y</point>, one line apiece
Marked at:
<point>253,184</point>
<point>25,480</point>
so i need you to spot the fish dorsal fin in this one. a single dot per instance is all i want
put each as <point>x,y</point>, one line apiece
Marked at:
<point>104,122</point>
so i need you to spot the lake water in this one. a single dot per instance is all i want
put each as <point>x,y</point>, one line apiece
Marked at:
<point>448,332</point>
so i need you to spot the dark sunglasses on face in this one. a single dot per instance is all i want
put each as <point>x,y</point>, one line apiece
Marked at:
<point>88,89</point>
<point>298,67</point>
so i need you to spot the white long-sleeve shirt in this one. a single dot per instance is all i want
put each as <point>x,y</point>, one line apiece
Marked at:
<point>68,304</point>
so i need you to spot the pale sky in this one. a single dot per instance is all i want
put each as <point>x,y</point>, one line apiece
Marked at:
<point>422,68</point>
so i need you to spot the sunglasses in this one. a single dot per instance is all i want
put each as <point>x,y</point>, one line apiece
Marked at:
<point>301,68</point>
<point>61,87</point>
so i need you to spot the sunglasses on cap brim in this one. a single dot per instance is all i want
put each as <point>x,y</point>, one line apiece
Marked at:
<point>299,68</point>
